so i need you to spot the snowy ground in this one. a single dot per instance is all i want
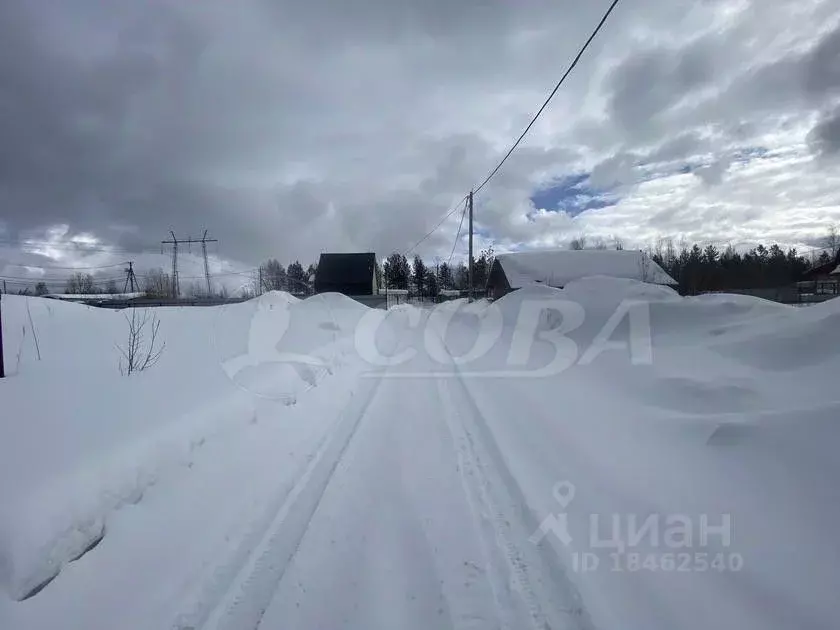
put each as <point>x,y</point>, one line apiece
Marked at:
<point>588,462</point>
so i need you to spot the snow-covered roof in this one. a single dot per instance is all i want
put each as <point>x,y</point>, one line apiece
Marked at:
<point>557,267</point>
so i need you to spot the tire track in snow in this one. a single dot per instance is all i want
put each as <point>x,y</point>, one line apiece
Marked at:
<point>494,569</point>
<point>529,582</point>
<point>238,594</point>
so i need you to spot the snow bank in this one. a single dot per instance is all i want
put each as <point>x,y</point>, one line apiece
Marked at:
<point>714,355</point>
<point>787,341</point>
<point>705,354</point>
<point>599,289</point>
<point>735,414</point>
<point>78,440</point>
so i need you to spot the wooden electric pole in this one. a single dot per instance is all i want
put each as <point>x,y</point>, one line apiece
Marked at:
<point>471,249</point>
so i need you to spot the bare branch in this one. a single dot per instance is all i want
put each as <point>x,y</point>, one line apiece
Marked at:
<point>138,355</point>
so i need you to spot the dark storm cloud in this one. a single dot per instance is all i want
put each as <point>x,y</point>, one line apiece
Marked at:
<point>288,127</point>
<point>650,82</point>
<point>167,115</point>
<point>795,83</point>
<point>131,136</point>
<point>657,88</point>
<point>825,136</point>
<point>822,74</point>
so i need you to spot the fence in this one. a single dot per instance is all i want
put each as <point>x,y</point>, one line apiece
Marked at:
<point>395,297</point>
<point>154,302</point>
<point>801,294</point>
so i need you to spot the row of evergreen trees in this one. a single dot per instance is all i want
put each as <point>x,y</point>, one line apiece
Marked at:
<point>696,269</point>
<point>700,270</point>
<point>272,276</point>
<point>397,272</point>
<point>419,278</point>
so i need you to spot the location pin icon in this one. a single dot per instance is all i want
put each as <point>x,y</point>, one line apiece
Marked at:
<point>564,492</point>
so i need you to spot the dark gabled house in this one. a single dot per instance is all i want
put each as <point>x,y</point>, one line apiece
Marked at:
<point>350,274</point>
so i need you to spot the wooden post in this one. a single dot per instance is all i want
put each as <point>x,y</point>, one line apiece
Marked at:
<point>471,250</point>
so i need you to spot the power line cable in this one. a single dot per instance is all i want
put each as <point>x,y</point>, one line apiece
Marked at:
<point>434,229</point>
<point>93,267</point>
<point>457,236</point>
<point>215,275</point>
<point>550,96</point>
<point>53,279</point>
<point>76,247</point>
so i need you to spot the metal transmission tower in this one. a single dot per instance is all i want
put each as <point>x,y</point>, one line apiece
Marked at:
<point>174,241</point>
<point>174,288</point>
<point>130,278</point>
<point>206,266</point>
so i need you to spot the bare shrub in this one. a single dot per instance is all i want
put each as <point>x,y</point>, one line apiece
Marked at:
<point>578,243</point>
<point>143,348</point>
<point>157,284</point>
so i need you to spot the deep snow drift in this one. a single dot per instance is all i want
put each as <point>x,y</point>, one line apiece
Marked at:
<point>79,440</point>
<point>537,462</point>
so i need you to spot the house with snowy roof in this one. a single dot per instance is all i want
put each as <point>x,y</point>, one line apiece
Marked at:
<point>823,279</point>
<point>558,267</point>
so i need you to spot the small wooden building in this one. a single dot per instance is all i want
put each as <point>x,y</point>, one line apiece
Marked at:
<point>823,280</point>
<point>351,274</point>
<point>558,267</point>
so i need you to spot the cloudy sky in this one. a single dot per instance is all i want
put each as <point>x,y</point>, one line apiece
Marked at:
<point>289,127</point>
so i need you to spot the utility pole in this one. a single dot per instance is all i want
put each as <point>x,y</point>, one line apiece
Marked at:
<point>130,278</point>
<point>471,249</point>
<point>2,367</point>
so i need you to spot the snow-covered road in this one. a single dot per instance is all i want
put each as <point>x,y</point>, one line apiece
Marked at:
<point>387,514</point>
<point>425,495</point>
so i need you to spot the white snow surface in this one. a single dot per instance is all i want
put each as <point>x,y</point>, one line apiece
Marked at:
<point>558,267</point>
<point>279,468</point>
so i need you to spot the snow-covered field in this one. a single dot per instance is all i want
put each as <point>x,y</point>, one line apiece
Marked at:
<point>607,456</point>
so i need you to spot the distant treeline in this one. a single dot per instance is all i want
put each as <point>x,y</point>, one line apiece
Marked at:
<point>273,276</point>
<point>422,278</point>
<point>696,268</point>
<point>700,270</point>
